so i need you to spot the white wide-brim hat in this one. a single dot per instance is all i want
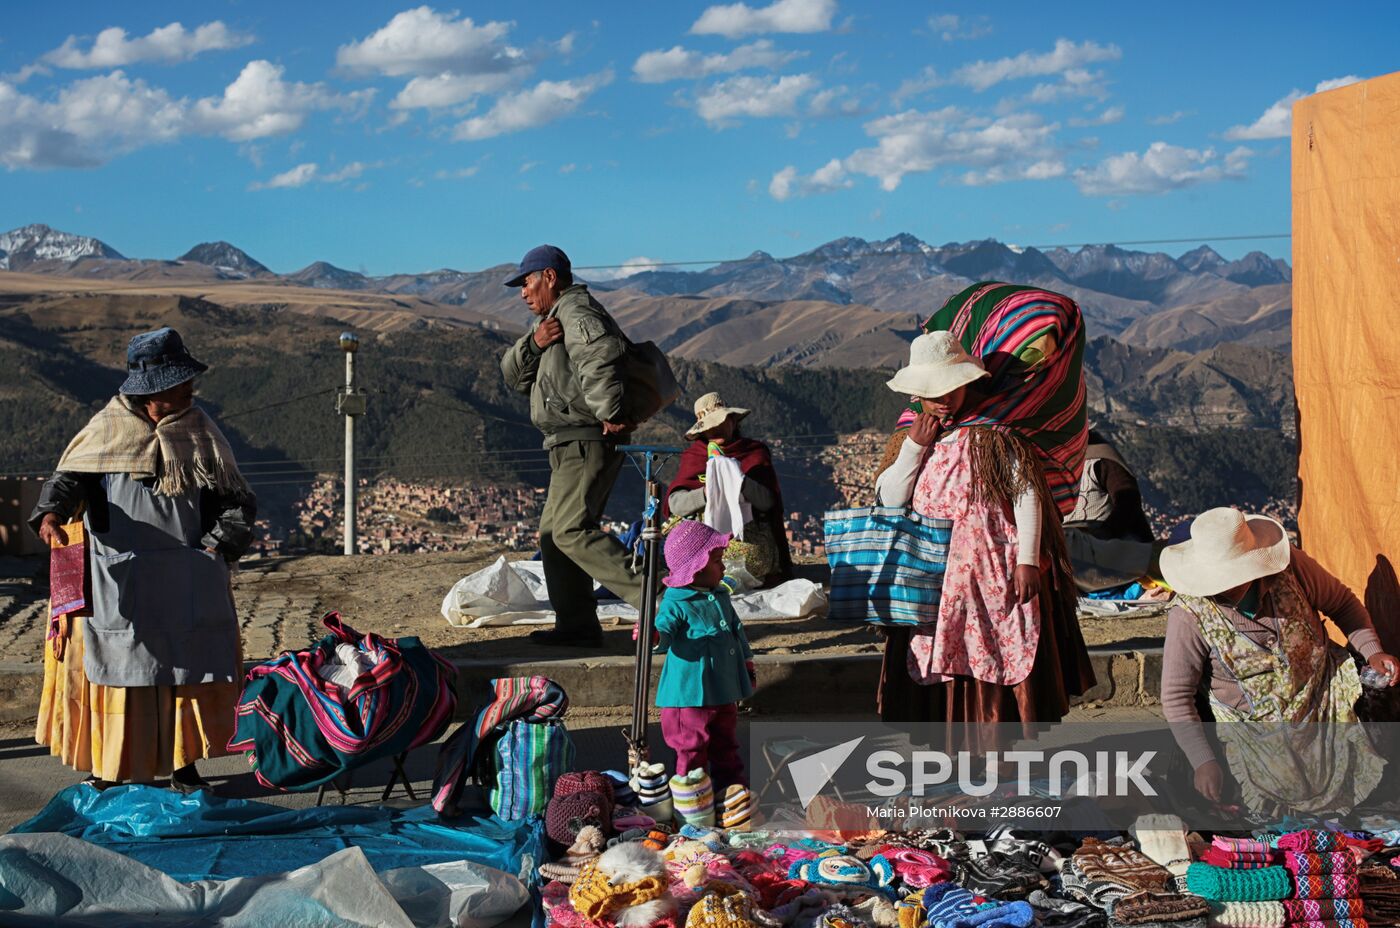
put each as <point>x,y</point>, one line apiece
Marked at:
<point>710,411</point>
<point>938,365</point>
<point>1226,549</point>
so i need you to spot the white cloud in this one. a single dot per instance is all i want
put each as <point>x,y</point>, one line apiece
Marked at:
<point>448,89</point>
<point>299,176</point>
<point>1075,82</point>
<point>1161,168</point>
<point>167,45</point>
<point>736,19</point>
<point>303,174</point>
<point>528,109</point>
<point>260,103</point>
<point>677,63</point>
<point>829,177</point>
<point>1108,117</point>
<point>835,101</point>
<point>627,269</point>
<point>758,97</point>
<point>920,84</point>
<point>952,27</point>
<point>1277,120</point>
<point>1065,56</point>
<point>90,121</point>
<point>1167,119</point>
<point>423,41</point>
<point>459,173</point>
<point>1038,170</point>
<point>915,142</point>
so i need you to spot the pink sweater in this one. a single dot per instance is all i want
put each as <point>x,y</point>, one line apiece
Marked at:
<point>1187,654</point>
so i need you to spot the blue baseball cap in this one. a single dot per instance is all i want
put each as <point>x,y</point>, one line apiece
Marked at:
<point>537,259</point>
<point>157,361</point>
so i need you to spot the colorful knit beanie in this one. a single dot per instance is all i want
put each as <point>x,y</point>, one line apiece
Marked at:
<point>624,885</point>
<point>688,547</point>
<point>567,815</point>
<point>950,906</point>
<point>844,874</point>
<point>589,844</point>
<point>1222,885</point>
<point>693,798</point>
<point>736,807</point>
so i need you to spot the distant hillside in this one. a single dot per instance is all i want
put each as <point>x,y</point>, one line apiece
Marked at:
<point>1149,298</point>
<point>439,410</point>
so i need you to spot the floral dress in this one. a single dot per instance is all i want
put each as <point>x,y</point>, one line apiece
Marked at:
<point>981,631</point>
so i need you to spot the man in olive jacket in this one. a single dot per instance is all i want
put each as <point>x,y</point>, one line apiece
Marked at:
<point>571,364</point>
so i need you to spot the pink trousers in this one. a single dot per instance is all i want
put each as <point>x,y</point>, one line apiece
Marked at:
<point>706,738</point>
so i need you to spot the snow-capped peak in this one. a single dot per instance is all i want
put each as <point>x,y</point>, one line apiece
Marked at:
<point>38,242</point>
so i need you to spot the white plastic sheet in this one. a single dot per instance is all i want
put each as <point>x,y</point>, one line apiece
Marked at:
<point>513,593</point>
<point>57,879</point>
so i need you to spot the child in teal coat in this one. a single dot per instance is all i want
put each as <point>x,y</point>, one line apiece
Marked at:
<point>709,666</point>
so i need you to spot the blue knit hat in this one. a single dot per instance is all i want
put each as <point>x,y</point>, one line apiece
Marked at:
<point>157,361</point>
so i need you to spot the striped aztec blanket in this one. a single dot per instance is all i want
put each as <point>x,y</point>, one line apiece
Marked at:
<point>303,731</point>
<point>1032,343</point>
<point>887,564</point>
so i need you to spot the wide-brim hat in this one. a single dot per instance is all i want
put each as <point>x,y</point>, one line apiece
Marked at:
<point>688,546</point>
<point>938,365</point>
<point>710,411</point>
<point>1226,549</point>
<point>157,361</point>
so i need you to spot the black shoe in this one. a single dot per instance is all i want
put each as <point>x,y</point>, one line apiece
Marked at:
<point>187,780</point>
<point>554,638</point>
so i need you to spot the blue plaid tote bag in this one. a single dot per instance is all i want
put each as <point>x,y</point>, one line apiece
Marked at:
<point>887,564</point>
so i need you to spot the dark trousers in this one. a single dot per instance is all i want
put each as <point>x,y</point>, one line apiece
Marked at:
<point>575,549</point>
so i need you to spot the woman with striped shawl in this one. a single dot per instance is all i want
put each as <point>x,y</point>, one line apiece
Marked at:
<point>142,668</point>
<point>993,442</point>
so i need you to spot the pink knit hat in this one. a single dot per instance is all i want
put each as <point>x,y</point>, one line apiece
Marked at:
<point>688,548</point>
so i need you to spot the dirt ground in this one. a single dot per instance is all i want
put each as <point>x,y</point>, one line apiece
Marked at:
<point>281,601</point>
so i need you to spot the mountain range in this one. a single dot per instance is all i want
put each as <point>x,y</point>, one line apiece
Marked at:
<point>847,303</point>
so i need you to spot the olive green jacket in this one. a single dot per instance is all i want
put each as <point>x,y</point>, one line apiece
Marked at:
<point>575,384</point>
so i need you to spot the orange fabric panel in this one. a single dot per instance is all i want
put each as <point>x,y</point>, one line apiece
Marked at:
<point>1346,337</point>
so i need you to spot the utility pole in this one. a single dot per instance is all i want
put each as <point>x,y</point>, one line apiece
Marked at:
<point>350,403</point>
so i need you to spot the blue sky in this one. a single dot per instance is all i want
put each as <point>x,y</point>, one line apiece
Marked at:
<point>394,138</point>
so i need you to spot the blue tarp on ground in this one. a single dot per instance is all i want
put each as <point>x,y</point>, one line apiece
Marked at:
<point>207,837</point>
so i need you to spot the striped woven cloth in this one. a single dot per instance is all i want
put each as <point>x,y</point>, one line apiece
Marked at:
<point>1032,343</point>
<point>1308,864</point>
<point>887,565</point>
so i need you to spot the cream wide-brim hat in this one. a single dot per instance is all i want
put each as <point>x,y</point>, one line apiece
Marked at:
<point>1226,549</point>
<point>710,411</point>
<point>937,366</point>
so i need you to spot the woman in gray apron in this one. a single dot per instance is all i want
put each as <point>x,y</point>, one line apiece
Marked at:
<point>143,682</point>
<point>1283,695</point>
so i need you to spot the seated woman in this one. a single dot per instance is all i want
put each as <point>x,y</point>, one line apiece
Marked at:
<point>760,537</point>
<point>1246,617</point>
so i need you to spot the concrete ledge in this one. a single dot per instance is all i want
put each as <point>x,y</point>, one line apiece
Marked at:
<point>788,684</point>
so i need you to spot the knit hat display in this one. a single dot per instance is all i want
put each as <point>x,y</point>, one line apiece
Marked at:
<point>586,847</point>
<point>688,547</point>
<point>625,885</point>
<point>693,797</point>
<point>568,814</point>
<point>1223,885</point>
<point>623,794</point>
<point>723,905</point>
<point>1010,876</point>
<point>845,874</point>
<point>653,790</point>
<point>1248,914</point>
<point>917,869</point>
<point>1051,912</point>
<point>950,906</point>
<point>736,806</point>
<point>1162,837</point>
<point>1156,908</point>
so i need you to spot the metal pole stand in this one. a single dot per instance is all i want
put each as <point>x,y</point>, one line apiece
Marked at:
<point>647,459</point>
<point>350,402</point>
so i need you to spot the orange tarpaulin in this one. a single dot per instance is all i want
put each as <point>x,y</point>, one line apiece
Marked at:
<point>1346,337</point>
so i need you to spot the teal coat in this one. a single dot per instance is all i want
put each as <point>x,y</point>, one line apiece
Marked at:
<point>706,650</point>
